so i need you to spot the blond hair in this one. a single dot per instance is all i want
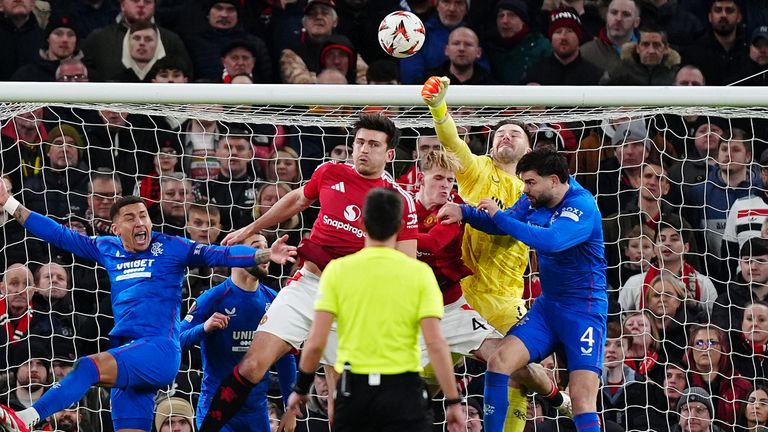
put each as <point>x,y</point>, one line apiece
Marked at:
<point>441,160</point>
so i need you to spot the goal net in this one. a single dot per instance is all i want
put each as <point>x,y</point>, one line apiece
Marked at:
<point>678,174</point>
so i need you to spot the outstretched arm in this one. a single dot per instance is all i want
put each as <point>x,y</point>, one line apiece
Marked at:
<point>288,206</point>
<point>433,92</point>
<point>48,230</point>
<point>241,256</point>
<point>562,234</point>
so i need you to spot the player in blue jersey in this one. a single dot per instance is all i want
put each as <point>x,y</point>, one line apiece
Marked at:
<point>223,321</point>
<point>146,270</point>
<point>560,219</point>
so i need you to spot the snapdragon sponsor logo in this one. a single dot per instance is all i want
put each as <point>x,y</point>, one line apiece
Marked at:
<point>344,226</point>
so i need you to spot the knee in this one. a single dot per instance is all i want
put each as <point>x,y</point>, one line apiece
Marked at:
<point>584,400</point>
<point>500,363</point>
<point>252,367</point>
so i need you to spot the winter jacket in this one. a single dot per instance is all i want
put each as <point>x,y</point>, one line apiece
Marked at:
<point>633,73</point>
<point>714,61</point>
<point>18,46</point>
<point>104,49</point>
<point>431,55</point>
<point>510,61</point>
<point>480,75</point>
<point>550,71</point>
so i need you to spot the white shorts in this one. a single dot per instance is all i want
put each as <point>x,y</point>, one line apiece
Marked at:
<point>290,315</point>
<point>463,328</point>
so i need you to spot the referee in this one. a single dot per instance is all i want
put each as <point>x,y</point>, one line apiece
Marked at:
<point>380,298</point>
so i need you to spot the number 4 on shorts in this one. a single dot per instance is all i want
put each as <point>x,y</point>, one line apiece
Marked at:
<point>589,339</point>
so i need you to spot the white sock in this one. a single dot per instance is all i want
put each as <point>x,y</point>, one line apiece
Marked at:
<point>29,416</point>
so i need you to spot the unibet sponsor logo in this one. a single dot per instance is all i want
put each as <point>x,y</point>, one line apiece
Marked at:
<point>339,225</point>
<point>134,269</point>
<point>241,340</point>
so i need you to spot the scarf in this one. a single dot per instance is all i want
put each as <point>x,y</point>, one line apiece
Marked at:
<point>645,365</point>
<point>688,277</point>
<point>15,329</point>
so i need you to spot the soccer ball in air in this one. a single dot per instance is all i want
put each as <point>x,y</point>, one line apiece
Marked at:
<point>401,34</point>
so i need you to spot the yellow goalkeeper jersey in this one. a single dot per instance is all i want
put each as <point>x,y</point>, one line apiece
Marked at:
<point>498,262</point>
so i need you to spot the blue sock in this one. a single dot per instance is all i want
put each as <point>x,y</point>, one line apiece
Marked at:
<point>496,401</point>
<point>587,422</point>
<point>71,389</point>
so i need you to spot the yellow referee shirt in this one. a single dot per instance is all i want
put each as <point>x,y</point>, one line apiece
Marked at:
<point>379,296</point>
<point>498,262</point>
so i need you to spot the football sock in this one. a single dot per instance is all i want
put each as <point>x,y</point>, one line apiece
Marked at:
<point>229,398</point>
<point>516,413</point>
<point>587,422</point>
<point>71,389</point>
<point>496,401</point>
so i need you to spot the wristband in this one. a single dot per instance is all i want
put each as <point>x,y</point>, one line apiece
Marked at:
<point>303,382</point>
<point>11,205</point>
<point>439,112</point>
<point>449,402</point>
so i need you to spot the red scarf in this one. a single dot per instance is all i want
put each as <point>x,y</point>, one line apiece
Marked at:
<point>603,36</point>
<point>756,349</point>
<point>688,277</point>
<point>645,365</point>
<point>15,329</point>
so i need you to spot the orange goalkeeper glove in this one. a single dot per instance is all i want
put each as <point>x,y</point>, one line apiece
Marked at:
<point>433,93</point>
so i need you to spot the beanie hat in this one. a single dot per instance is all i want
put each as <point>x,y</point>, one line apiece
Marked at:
<point>565,17</point>
<point>517,6</point>
<point>172,407</point>
<point>696,394</point>
<point>65,130</point>
<point>32,349</point>
<point>58,21</point>
<point>236,3</point>
<point>629,132</point>
<point>755,246</point>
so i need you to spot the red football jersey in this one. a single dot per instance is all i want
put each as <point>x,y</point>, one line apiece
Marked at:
<point>440,247</point>
<point>338,230</point>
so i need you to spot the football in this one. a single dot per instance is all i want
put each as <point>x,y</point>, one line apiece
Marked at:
<point>401,34</point>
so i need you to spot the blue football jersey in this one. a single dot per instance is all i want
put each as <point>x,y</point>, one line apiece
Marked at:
<point>223,349</point>
<point>146,286</point>
<point>568,239</point>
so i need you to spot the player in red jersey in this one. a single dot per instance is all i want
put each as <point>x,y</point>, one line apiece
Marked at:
<point>338,231</point>
<point>439,245</point>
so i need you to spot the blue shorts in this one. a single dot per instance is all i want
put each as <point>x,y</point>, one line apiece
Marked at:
<point>253,417</point>
<point>144,366</point>
<point>550,325</point>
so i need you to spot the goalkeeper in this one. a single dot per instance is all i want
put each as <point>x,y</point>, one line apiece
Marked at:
<point>146,270</point>
<point>495,288</point>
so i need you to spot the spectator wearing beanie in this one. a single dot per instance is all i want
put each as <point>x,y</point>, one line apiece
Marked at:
<point>587,11</point>
<point>224,26</point>
<point>748,285</point>
<point>31,358</point>
<point>60,43</point>
<point>565,66</point>
<point>696,412</point>
<point>513,47</point>
<point>339,53</point>
<point>174,414</point>
<point>63,185</point>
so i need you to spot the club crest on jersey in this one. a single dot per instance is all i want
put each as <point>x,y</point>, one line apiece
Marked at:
<point>157,249</point>
<point>430,220</point>
<point>352,213</point>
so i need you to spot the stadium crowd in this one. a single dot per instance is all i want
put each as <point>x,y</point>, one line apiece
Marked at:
<point>682,197</point>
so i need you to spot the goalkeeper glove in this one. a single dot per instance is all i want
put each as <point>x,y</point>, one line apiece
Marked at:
<point>433,93</point>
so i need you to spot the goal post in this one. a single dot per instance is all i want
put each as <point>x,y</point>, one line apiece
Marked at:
<point>687,131</point>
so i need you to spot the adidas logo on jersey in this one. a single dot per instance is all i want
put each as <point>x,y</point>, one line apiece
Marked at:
<point>339,187</point>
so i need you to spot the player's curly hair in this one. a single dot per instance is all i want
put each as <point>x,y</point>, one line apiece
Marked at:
<point>545,161</point>
<point>378,122</point>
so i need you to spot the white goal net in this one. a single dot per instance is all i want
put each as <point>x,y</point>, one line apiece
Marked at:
<point>679,175</point>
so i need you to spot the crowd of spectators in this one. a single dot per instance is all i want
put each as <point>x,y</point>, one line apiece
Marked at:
<point>683,197</point>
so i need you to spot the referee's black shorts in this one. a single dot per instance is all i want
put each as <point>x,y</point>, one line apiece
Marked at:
<point>400,403</point>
